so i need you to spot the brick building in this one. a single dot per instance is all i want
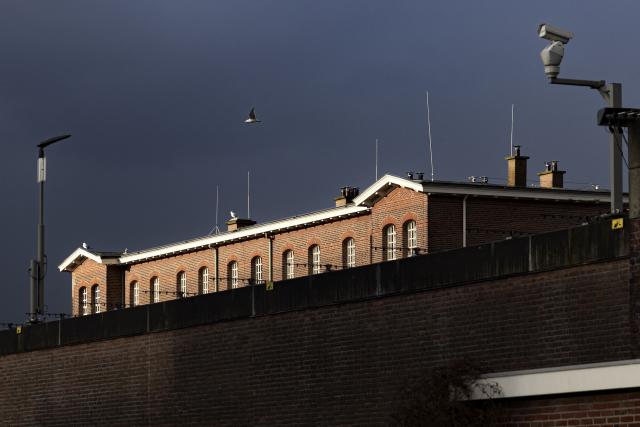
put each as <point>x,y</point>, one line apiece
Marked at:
<point>393,218</point>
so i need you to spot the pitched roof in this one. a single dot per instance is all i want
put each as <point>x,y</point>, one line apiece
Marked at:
<point>361,204</point>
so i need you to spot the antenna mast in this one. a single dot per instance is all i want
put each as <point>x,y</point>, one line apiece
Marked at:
<point>248,195</point>
<point>217,230</point>
<point>376,159</point>
<point>512,107</point>
<point>429,132</point>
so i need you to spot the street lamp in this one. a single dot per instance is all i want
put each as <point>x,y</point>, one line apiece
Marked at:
<point>38,266</point>
<point>612,93</point>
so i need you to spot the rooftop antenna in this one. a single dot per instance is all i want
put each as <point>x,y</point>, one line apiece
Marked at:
<point>376,159</point>
<point>248,195</point>
<point>512,108</point>
<point>429,132</point>
<point>216,230</point>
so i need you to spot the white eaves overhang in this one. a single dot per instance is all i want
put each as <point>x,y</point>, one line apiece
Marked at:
<point>79,255</point>
<point>360,204</point>
<point>245,233</point>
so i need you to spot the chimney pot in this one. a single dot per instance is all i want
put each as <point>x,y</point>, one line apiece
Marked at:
<point>347,194</point>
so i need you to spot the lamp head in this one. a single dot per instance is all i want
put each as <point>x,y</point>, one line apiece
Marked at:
<point>53,140</point>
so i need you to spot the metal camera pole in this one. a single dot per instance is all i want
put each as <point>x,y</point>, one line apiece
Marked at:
<point>38,266</point>
<point>552,56</point>
<point>616,119</point>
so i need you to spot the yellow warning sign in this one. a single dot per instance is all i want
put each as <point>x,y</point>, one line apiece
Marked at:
<point>617,224</point>
<point>18,329</point>
<point>269,285</point>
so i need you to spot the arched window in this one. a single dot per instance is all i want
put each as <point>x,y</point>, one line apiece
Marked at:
<point>314,259</point>
<point>288,265</point>
<point>389,242</point>
<point>256,270</point>
<point>84,306</point>
<point>155,289</point>
<point>203,280</point>
<point>411,237</point>
<point>134,295</point>
<point>95,298</point>
<point>181,284</point>
<point>232,275</point>
<point>349,252</point>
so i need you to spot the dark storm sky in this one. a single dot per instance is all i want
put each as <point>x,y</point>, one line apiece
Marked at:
<point>154,93</point>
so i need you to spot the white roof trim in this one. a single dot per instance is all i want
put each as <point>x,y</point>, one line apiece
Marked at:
<point>359,205</point>
<point>561,380</point>
<point>387,180</point>
<point>244,233</point>
<point>78,254</point>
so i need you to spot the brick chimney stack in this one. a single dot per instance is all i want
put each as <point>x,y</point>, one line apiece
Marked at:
<point>347,194</point>
<point>517,168</point>
<point>551,177</point>
<point>235,224</point>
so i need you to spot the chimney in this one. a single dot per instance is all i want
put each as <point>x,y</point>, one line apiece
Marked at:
<point>347,194</point>
<point>235,223</point>
<point>517,168</point>
<point>551,177</point>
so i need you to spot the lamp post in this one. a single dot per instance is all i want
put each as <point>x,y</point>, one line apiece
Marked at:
<point>612,93</point>
<point>38,266</point>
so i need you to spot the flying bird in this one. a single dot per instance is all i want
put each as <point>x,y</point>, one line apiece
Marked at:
<point>252,117</point>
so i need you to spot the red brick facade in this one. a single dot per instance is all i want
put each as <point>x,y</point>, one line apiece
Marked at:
<point>440,225</point>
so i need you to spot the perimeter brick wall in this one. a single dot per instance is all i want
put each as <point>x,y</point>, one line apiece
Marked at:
<point>344,356</point>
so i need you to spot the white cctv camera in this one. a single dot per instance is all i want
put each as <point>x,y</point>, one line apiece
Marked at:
<point>552,55</point>
<point>551,58</point>
<point>554,34</point>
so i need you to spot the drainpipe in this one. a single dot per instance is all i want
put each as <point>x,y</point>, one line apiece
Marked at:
<point>215,265</point>
<point>464,221</point>
<point>270,252</point>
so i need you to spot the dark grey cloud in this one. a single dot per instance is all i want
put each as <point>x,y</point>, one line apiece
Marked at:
<point>155,92</point>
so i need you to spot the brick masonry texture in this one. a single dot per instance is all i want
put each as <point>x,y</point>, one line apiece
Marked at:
<point>439,226</point>
<point>342,364</point>
<point>596,410</point>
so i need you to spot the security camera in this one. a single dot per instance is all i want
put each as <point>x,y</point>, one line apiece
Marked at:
<point>554,34</point>
<point>551,58</point>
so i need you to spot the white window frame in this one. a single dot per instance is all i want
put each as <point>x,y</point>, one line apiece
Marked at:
<point>350,248</point>
<point>412,237</point>
<point>155,289</point>
<point>315,259</point>
<point>84,307</point>
<point>390,238</point>
<point>95,290</point>
<point>204,280</point>
<point>256,270</point>
<point>233,268</point>
<point>182,281</point>
<point>135,293</point>
<point>290,266</point>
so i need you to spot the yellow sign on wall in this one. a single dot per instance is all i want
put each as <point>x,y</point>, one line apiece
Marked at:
<point>617,224</point>
<point>269,285</point>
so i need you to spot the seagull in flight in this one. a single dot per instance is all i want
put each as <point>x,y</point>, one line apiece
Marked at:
<point>252,117</point>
